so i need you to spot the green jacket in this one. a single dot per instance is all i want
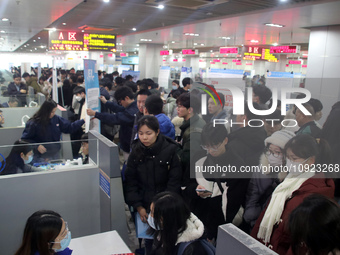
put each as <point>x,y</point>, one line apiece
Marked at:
<point>33,82</point>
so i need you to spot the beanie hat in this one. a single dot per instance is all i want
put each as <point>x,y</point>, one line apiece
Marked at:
<point>279,138</point>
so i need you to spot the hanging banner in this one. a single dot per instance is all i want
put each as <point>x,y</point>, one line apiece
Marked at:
<point>92,94</point>
<point>163,76</point>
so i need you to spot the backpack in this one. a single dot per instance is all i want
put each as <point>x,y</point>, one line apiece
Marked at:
<point>208,247</point>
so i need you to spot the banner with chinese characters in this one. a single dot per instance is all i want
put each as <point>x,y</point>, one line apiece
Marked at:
<point>92,94</point>
<point>79,41</point>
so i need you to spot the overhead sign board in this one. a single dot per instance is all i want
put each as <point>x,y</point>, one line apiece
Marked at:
<point>228,50</point>
<point>189,52</point>
<point>291,49</point>
<point>78,41</point>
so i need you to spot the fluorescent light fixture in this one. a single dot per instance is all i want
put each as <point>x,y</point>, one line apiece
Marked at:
<point>195,43</point>
<point>39,38</point>
<point>3,31</point>
<point>106,1</point>
<point>273,25</point>
<point>275,44</point>
<point>254,41</point>
<point>5,19</point>
<point>160,6</point>
<point>64,24</point>
<point>202,44</point>
<point>173,42</point>
<point>134,29</point>
<point>197,35</point>
<point>211,50</point>
<point>191,34</point>
<point>1,38</point>
<point>137,45</point>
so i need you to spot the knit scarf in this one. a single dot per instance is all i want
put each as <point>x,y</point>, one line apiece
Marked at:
<point>275,208</point>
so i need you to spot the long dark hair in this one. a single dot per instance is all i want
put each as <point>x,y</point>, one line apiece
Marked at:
<point>152,123</point>
<point>19,147</point>
<point>315,223</point>
<point>42,228</point>
<point>170,216</point>
<point>305,146</point>
<point>42,116</point>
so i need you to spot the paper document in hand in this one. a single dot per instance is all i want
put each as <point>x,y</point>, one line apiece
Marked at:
<point>141,228</point>
<point>93,98</point>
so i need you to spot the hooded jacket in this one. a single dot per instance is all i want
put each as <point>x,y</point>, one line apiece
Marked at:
<point>280,239</point>
<point>156,170</point>
<point>194,231</point>
<point>165,126</point>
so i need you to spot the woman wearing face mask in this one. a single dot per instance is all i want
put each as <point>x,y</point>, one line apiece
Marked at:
<point>301,152</point>
<point>264,181</point>
<point>46,233</point>
<point>19,159</point>
<point>152,167</point>
<point>176,230</point>
<point>45,126</point>
<point>175,87</point>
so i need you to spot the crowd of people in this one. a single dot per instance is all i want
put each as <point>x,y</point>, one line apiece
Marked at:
<point>169,146</point>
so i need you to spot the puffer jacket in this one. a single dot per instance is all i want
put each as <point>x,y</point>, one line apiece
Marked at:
<point>165,126</point>
<point>157,170</point>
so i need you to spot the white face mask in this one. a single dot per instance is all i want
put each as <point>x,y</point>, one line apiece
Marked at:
<point>295,168</point>
<point>274,161</point>
<point>79,98</point>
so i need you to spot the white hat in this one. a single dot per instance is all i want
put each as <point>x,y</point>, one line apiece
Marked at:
<point>279,138</point>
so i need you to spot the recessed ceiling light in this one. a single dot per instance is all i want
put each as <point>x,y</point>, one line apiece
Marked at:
<point>30,50</point>
<point>35,48</point>
<point>5,19</point>
<point>173,42</point>
<point>160,6</point>
<point>34,40</point>
<point>1,38</point>
<point>25,46</point>
<point>83,31</point>
<point>197,35</point>
<point>254,41</point>
<point>134,29</point>
<point>3,31</point>
<point>106,1</point>
<point>275,44</point>
<point>273,25</point>
<point>137,45</point>
<point>39,38</point>
<point>202,44</point>
<point>64,24</point>
<point>195,43</point>
<point>150,40</point>
<point>211,50</point>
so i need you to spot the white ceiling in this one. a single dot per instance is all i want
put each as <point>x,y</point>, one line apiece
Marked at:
<point>29,17</point>
<point>242,20</point>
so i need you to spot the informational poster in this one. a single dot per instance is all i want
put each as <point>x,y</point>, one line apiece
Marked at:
<point>280,80</point>
<point>185,72</point>
<point>134,74</point>
<point>92,94</point>
<point>221,79</point>
<point>164,76</point>
<point>122,68</point>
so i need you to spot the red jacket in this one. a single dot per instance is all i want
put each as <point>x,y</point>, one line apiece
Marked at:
<point>280,239</point>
